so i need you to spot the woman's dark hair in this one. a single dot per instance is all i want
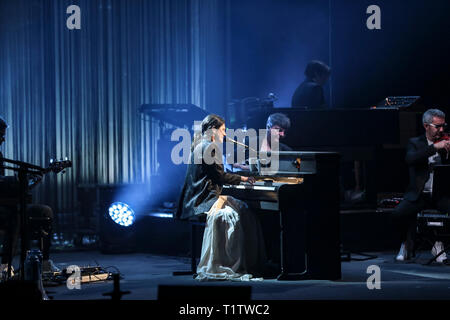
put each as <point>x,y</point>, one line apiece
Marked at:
<point>278,119</point>
<point>316,67</point>
<point>211,121</point>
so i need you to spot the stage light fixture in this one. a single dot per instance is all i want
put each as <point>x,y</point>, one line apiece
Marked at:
<point>122,214</point>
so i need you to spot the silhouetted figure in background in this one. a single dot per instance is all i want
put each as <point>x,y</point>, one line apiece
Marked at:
<point>310,92</point>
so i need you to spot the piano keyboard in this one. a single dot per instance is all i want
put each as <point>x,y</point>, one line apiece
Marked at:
<point>263,194</point>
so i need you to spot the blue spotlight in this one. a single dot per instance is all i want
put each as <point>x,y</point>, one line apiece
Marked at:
<point>122,214</point>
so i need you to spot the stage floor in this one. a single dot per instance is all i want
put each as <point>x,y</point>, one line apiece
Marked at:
<point>143,273</point>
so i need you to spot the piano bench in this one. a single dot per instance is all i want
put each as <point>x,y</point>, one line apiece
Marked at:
<point>432,226</point>
<point>196,223</point>
<point>433,222</point>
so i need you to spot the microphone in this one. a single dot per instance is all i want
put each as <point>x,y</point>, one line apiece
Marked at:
<point>240,143</point>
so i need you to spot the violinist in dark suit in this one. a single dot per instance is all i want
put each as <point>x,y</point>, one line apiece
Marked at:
<point>9,217</point>
<point>421,154</point>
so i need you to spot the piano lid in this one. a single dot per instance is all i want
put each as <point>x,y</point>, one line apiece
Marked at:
<point>179,115</point>
<point>335,127</point>
<point>286,163</point>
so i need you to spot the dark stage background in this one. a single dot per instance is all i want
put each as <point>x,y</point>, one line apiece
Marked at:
<point>76,93</point>
<point>272,41</point>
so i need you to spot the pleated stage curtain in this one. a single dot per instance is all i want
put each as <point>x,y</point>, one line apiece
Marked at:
<point>76,93</point>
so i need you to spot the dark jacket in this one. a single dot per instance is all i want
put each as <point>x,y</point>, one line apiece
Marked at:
<point>2,170</point>
<point>9,185</point>
<point>256,143</point>
<point>284,147</point>
<point>308,94</point>
<point>203,183</point>
<point>417,153</point>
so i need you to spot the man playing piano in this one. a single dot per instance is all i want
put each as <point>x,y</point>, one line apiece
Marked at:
<point>277,126</point>
<point>9,218</point>
<point>421,153</point>
<point>233,247</point>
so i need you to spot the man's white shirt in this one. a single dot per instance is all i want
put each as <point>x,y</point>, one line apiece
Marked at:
<point>433,159</point>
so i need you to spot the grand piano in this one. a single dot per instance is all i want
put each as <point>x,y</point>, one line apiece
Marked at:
<point>372,138</point>
<point>303,196</point>
<point>303,203</point>
<point>308,209</point>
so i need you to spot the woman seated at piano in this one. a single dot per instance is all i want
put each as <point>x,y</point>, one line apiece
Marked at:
<point>233,245</point>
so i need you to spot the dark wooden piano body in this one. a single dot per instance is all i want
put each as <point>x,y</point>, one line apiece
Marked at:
<point>376,138</point>
<point>308,215</point>
<point>343,127</point>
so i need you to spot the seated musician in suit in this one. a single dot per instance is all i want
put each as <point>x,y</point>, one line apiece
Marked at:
<point>421,153</point>
<point>233,247</point>
<point>10,218</point>
<point>310,92</point>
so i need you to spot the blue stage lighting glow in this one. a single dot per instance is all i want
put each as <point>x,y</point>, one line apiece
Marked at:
<point>161,215</point>
<point>122,214</point>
